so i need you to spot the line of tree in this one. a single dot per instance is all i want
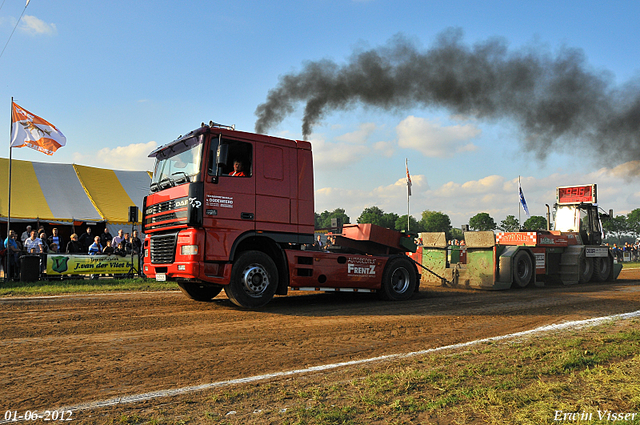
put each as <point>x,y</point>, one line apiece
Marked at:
<point>431,221</point>
<point>483,221</point>
<point>323,220</point>
<point>623,228</point>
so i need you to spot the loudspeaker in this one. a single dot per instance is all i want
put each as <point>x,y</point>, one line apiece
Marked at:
<point>133,214</point>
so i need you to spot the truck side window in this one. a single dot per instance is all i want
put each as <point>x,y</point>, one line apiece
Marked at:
<point>239,163</point>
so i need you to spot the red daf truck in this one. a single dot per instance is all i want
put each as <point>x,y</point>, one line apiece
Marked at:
<point>234,210</point>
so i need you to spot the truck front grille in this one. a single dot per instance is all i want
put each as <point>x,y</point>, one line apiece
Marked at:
<point>164,206</point>
<point>163,248</point>
<point>164,215</point>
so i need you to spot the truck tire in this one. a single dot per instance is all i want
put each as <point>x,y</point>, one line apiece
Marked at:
<point>522,269</point>
<point>586,269</point>
<point>254,279</point>
<point>198,291</point>
<point>398,280</point>
<point>602,268</point>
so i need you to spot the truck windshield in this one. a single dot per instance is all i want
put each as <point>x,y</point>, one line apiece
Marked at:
<point>177,164</point>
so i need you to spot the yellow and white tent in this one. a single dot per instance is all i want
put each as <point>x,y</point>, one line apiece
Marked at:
<point>70,192</point>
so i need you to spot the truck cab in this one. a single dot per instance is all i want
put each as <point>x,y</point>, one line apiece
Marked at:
<point>199,216</point>
<point>576,211</point>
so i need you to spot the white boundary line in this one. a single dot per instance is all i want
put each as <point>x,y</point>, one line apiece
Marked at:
<point>256,378</point>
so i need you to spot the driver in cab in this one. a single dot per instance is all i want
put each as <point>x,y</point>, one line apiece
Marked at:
<point>237,169</point>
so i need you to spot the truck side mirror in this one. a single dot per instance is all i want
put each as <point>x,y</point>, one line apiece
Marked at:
<point>222,154</point>
<point>221,159</point>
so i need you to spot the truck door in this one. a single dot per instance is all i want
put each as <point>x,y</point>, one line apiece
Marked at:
<point>275,188</point>
<point>230,197</point>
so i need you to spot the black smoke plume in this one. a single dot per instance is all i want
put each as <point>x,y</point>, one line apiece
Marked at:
<point>556,99</point>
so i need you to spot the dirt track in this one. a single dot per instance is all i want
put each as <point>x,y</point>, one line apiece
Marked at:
<point>63,351</point>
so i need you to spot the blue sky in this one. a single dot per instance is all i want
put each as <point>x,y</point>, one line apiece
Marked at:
<point>120,78</point>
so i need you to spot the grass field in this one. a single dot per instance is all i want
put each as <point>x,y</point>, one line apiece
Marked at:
<point>82,286</point>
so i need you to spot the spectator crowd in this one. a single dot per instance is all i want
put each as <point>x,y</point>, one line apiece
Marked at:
<point>36,242</point>
<point>631,249</point>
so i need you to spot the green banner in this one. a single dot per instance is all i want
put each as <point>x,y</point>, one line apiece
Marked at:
<point>59,264</point>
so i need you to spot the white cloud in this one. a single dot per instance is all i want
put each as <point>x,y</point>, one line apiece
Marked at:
<point>34,26</point>
<point>130,157</point>
<point>359,136</point>
<point>385,148</point>
<point>484,185</point>
<point>349,148</point>
<point>328,155</point>
<point>435,140</point>
<point>627,170</point>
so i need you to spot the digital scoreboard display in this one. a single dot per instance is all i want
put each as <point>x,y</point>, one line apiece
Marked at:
<point>577,194</point>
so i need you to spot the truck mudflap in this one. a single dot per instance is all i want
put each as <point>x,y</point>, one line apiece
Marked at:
<point>617,268</point>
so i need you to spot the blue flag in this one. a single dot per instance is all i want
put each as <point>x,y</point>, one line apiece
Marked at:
<point>522,200</point>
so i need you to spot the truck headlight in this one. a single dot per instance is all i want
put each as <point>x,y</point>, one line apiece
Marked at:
<point>189,250</point>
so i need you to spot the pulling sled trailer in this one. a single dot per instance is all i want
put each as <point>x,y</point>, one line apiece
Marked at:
<point>571,253</point>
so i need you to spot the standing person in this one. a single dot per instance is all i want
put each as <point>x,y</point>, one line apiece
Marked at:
<point>119,250</point>
<point>86,239</point>
<point>25,235</point>
<point>117,239</point>
<point>108,249</point>
<point>75,247</point>
<point>45,245</point>
<point>126,243</point>
<point>95,248</point>
<point>105,236</point>
<point>55,238</point>
<point>136,242</point>
<point>33,244</point>
<point>13,251</point>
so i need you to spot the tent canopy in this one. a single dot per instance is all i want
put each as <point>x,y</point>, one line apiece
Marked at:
<point>70,192</point>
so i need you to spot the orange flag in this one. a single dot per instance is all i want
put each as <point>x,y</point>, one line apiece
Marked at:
<point>34,132</point>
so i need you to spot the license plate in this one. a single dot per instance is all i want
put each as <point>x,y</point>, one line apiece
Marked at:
<point>161,277</point>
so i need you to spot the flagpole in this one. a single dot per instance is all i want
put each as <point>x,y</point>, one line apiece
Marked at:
<point>519,223</point>
<point>9,253</point>
<point>406,163</point>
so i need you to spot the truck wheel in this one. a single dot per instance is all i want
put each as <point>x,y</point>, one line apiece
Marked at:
<point>198,291</point>
<point>586,269</point>
<point>398,280</point>
<point>523,269</point>
<point>602,269</point>
<point>254,279</point>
